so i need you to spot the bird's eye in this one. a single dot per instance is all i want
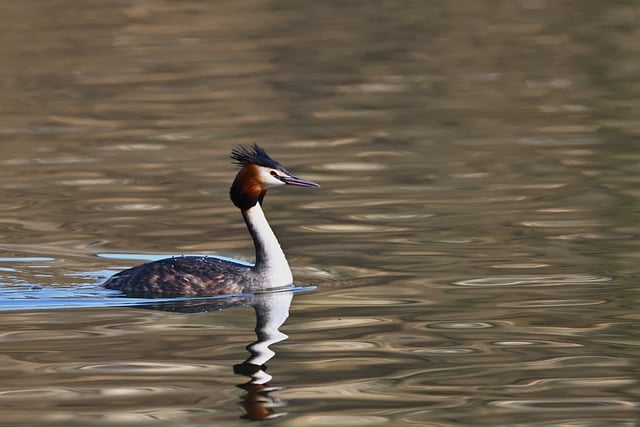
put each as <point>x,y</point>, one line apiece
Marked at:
<point>274,174</point>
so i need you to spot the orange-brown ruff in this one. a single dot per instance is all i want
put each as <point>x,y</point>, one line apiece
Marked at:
<point>201,276</point>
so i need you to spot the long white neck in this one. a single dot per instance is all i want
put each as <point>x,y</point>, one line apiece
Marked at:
<point>271,263</point>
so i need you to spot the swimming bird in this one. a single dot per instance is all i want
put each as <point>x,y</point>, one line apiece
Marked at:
<point>205,276</point>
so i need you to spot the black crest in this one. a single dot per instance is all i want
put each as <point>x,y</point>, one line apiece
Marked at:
<point>242,156</point>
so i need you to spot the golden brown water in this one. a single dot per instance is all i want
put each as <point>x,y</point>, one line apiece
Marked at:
<point>474,245</point>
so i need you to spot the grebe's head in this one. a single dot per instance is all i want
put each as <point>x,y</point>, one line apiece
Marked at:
<point>258,172</point>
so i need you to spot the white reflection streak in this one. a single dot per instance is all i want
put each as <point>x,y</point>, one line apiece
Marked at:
<point>272,310</point>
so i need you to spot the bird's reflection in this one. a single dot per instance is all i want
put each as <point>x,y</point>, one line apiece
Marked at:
<point>272,310</point>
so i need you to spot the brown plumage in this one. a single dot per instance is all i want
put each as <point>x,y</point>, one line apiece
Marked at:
<point>185,276</point>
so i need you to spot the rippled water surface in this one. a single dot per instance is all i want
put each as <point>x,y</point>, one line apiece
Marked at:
<point>470,260</point>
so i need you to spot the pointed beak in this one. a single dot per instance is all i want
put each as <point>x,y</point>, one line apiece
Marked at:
<point>298,182</point>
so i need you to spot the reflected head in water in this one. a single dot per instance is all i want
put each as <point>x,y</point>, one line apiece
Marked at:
<point>271,310</point>
<point>205,276</point>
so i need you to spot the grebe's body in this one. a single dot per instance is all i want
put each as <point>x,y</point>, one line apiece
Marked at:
<point>203,276</point>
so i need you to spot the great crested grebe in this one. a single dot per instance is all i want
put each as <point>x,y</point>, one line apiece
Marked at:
<point>204,276</point>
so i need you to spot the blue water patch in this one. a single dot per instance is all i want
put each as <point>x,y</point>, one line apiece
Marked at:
<point>35,297</point>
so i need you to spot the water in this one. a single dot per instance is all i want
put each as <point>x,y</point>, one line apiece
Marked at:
<point>474,245</point>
